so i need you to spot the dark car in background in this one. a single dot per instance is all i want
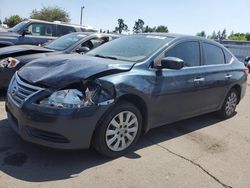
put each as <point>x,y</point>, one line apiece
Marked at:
<point>37,32</point>
<point>121,89</point>
<point>14,57</point>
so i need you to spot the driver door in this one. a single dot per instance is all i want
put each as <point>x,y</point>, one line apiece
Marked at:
<point>176,93</point>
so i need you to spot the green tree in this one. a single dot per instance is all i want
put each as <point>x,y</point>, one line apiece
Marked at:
<point>223,34</point>
<point>248,36</point>
<point>121,26</point>
<point>214,36</point>
<point>13,20</point>
<point>201,34</point>
<point>138,27</point>
<point>50,14</point>
<point>148,29</point>
<point>161,29</point>
<point>0,22</point>
<point>238,36</point>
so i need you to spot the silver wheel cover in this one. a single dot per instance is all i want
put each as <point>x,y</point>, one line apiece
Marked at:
<point>121,131</point>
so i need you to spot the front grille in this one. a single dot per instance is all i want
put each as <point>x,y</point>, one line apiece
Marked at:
<point>19,91</point>
<point>47,136</point>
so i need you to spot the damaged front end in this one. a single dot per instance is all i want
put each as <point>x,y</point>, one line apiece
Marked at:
<point>9,62</point>
<point>81,95</point>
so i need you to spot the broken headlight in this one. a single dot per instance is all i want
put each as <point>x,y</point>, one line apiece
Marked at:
<point>74,98</point>
<point>9,62</point>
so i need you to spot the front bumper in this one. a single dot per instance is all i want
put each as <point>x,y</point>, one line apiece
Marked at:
<point>55,128</point>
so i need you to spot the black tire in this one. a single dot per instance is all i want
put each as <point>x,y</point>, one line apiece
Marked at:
<point>99,139</point>
<point>223,113</point>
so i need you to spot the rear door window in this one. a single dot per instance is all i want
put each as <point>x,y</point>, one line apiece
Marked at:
<point>189,52</point>
<point>213,55</point>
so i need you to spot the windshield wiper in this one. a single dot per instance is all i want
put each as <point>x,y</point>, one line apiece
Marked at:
<point>106,57</point>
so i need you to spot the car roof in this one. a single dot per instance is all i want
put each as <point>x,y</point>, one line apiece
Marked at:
<point>60,23</point>
<point>96,34</point>
<point>182,37</point>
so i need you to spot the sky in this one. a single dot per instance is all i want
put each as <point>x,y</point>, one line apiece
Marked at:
<point>181,16</point>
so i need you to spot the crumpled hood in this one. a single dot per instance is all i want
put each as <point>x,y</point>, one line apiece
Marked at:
<point>61,70</point>
<point>18,50</point>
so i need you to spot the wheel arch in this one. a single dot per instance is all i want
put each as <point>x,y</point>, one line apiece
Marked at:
<point>141,105</point>
<point>237,87</point>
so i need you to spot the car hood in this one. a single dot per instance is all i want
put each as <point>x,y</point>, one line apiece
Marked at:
<point>9,34</point>
<point>61,70</point>
<point>14,51</point>
<point>24,59</point>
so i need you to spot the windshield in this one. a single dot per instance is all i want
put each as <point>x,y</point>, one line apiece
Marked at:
<point>65,41</point>
<point>133,48</point>
<point>19,27</point>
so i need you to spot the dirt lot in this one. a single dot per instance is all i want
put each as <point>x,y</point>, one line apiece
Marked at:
<point>199,152</point>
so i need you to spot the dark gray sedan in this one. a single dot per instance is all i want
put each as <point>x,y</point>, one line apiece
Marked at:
<point>121,89</point>
<point>14,57</point>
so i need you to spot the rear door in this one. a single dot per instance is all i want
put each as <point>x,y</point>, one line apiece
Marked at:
<point>217,73</point>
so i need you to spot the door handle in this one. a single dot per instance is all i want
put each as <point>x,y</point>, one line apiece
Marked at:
<point>228,76</point>
<point>199,79</point>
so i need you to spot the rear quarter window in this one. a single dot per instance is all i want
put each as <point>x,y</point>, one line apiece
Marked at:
<point>213,55</point>
<point>228,57</point>
<point>63,30</point>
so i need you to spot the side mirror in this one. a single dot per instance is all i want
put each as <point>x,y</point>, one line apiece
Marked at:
<point>82,50</point>
<point>26,32</point>
<point>172,63</point>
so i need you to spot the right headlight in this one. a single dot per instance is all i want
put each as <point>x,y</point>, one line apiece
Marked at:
<point>9,62</point>
<point>69,98</point>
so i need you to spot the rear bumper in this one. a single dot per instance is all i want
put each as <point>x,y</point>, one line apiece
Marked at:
<point>55,128</point>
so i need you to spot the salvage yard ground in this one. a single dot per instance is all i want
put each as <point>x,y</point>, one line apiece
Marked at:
<point>200,152</point>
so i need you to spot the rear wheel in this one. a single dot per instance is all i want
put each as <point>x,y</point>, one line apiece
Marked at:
<point>230,103</point>
<point>119,131</point>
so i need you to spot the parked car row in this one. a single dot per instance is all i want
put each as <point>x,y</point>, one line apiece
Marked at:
<point>37,32</point>
<point>115,92</point>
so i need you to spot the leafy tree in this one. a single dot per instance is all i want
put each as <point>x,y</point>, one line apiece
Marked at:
<point>121,26</point>
<point>161,29</point>
<point>218,35</point>
<point>214,36</point>
<point>223,35</point>
<point>0,22</point>
<point>12,20</point>
<point>248,36</point>
<point>201,34</point>
<point>238,36</point>
<point>138,27</point>
<point>148,29</point>
<point>50,14</point>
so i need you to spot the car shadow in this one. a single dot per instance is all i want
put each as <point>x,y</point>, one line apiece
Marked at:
<point>32,163</point>
<point>2,95</point>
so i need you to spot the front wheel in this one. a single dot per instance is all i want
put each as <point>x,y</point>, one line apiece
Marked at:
<point>230,103</point>
<point>119,131</point>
